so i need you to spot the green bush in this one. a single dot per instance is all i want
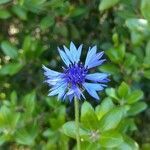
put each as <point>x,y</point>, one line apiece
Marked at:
<point>31,30</point>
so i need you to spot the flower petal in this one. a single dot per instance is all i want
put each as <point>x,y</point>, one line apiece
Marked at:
<point>91,53</point>
<point>97,77</point>
<point>64,57</point>
<point>68,53</point>
<point>92,89</point>
<point>95,63</point>
<point>79,53</point>
<point>74,91</point>
<point>59,89</point>
<point>71,97</point>
<point>78,92</point>
<point>50,73</point>
<point>62,92</point>
<point>53,81</point>
<point>73,51</point>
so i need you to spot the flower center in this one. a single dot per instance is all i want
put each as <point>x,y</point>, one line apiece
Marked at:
<point>75,73</point>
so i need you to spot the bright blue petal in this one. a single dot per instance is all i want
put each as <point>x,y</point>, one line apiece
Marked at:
<point>64,57</point>
<point>58,90</point>
<point>62,92</point>
<point>74,91</point>
<point>93,59</point>
<point>68,53</point>
<point>92,89</point>
<point>71,97</point>
<point>73,51</point>
<point>94,86</point>
<point>91,53</point>
<point>50,73</point>
<point>70,92</point>
<point>62,82</point>
<point>97,77</point>
<point>95,63</point>
<point>78,92</point>
<point>53,81</point>
<point>99,55</point>
<point>79,53</point>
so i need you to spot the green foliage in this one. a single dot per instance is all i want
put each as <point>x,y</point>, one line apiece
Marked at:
<point>107,131</point>
<point>105,4</point>
<point>88,115</point>
<point>110,139</point>
<point>30,32</point>
<point>9,50</point>
<point>145,7</point>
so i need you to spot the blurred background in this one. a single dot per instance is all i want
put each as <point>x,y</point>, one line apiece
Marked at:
<point>31,30</point>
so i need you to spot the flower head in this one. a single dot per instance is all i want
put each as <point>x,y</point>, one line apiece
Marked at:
<point>75,77</point>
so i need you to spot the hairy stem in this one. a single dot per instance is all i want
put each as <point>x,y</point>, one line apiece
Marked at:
<point>76,105</point>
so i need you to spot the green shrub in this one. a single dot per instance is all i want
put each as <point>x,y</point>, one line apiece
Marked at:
<point>31,30</point>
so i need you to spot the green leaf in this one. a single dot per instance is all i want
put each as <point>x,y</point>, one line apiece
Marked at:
<point>111,119</point>
<point>135,96</point>
<point>136,38</point>
<point>105,4</point>
<point>27,135</point>
<point>123,90</point>
<point>57,118</point>
<point>32,47</point>
<point>90,145</point>
<point>145,9</point>
<point>9,49</point>
<point>88,115</point>
<point>115,39</point>
<point>29,102</point>
<point>139,25</point>
<point>112,93</point>
<point>52,102</point>
<point>104,107</point>
<point>4,1</point>
<point>47,22</point>
<point>121,51</point>
<point>139,29</point>
<point>147,74</point>
<point>20,12</point>
<point>137,108</point>
<point>27,43</point>
<point>116,54</point>
<point>13,97</point>
<point>4,14</point>
<point>128,144</point>
<point>3,138</point>
<point>145,146</point>
<point>74,31</point>
<point>129,60</point>
<point>110,68</point>
<point>127,124</point>
<point>110,139</point>
<point>69,129</point>
<point>147,51</point>
<point>8,119</point>
<point>11,69</point>
<point>78,12</point>
<point>35,6</point>
<point>61,30</point>
<point>147,55</point>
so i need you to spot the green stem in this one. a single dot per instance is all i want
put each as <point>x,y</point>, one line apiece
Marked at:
<point>76,105</point>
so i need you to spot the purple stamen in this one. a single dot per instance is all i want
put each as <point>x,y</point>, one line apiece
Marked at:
<point>75,74</point>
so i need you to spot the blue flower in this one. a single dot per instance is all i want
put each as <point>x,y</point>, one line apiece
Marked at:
<point>75,77</point>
